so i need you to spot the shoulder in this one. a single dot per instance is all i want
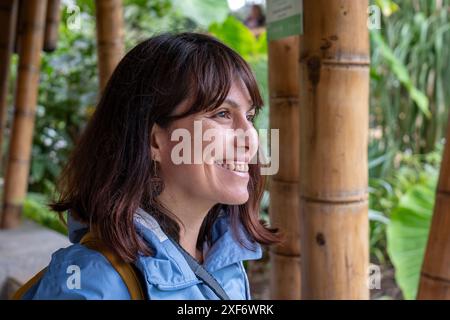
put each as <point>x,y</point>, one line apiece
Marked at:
<point>77,272</point>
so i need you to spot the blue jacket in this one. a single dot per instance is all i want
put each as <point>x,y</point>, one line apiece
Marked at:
<point>77,272</point>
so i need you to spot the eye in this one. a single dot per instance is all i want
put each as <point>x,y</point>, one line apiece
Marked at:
<point>251,117</point>
<point>222,114</point>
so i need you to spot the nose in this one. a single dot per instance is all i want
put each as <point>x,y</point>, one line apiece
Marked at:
<point>245,139</point>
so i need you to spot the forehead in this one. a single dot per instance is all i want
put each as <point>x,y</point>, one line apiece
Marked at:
<point>239,93</point>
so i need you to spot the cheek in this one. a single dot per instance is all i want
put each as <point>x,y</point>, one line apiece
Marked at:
<point>223,185</point>
<point>253,142</point>
<point>168,168</point>
<point>184,175</point>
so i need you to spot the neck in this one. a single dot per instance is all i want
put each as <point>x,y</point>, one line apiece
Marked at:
<point>191,213</point>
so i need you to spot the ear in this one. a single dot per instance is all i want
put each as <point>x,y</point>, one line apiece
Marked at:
<point>156,141</point>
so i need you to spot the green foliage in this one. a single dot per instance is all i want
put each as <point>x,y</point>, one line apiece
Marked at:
<point>35,209</point>
<point>260,68</point>
<point>389,196</point>
<point>400,71</point>
<point>203,12</point>
<point>235,34</point>
<point>409,69</point>
<point>66,93</point>
<point>407,234</point>
<point>408,115</point>
<point>387,6</point>
<point>144,19</point>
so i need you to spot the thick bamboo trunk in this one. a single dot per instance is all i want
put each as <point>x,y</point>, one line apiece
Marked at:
<point>51,25</point>
<point>8,17</point>
<point>334,96</point>
<point>435,275</point>
<point>284,200</point>
<point>30,47</point>
<point>110,37</point>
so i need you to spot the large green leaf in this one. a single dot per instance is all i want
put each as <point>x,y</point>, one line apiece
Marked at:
<point>235,34</point>
<point>203,12</point>
<point>407,235</point>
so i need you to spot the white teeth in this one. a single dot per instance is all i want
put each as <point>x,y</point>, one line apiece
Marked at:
<point>241,167</point>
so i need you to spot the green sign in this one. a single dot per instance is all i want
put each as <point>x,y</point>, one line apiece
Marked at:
<point>284,18</point>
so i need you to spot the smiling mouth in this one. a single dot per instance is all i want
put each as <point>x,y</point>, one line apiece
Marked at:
<point>236,167</point>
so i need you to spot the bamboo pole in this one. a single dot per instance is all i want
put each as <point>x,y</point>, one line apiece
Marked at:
<point>53,17</point>
<point>16,178</point>
<point>110,37</point>
<point>19,23</point>
<point>8,17</point>
<point>435,275</point>
<point>284,200</point>
<point>334,77</point>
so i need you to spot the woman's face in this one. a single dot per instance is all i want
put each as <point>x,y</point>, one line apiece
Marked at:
<point>205,157</point>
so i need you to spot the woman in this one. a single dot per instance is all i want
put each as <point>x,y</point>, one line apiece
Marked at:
<point>125,183</point>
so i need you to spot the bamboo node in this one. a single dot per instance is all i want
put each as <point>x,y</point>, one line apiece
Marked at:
<point>314,64</point>
<point>27,112</point>
<point>435,278</point>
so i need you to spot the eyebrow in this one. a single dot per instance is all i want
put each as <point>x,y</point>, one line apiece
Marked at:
<point>234,104</point>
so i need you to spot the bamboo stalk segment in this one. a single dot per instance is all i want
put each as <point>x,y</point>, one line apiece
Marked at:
<point>284,200</point>
<point>435,275</point>
<point>443,186</point>
<point>334,95</point>
<point>8,21</point>
<point>281,287</point>
<point>53,17</point>
<point>284,116</point>
<point>19,23</point>
<point>16,178</point>
<point>333,161</point>
<point>283,76</point>
<point>432,288</point>
<point>336,37</point>
<point>110,37</point>
<point>334,233</point>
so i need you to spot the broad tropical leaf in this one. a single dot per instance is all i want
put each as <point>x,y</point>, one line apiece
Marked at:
<point>407,235</point>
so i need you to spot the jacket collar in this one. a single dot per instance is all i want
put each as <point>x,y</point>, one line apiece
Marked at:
<point>168,268</point>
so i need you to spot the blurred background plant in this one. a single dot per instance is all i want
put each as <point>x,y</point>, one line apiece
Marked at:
<point>408,119</point>
<point>409,71</point>
<point>408,107</point>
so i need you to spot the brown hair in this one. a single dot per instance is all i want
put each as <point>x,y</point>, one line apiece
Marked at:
<point>108,175</point>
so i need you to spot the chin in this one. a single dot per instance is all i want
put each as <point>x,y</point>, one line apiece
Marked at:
<point>235,199</point>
